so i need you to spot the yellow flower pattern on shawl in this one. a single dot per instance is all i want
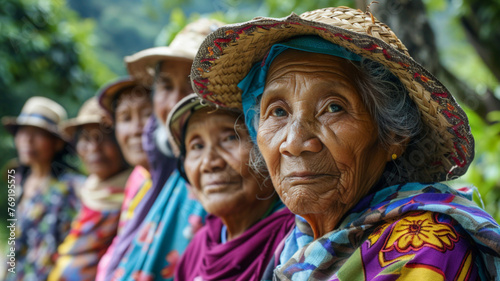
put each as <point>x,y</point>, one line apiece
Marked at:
<point>416,231</point>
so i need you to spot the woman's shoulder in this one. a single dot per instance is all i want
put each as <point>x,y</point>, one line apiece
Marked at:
<point>68,181</point>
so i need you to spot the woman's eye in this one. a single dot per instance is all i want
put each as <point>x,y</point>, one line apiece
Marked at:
<point>231,138</point>
<point>279,112</point>
<point>332,107</point>
<point>123,117</point>
<point>196,146</point>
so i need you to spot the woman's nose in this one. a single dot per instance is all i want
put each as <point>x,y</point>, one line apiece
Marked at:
<point>300,138</point>
<point>212,161</point>
<point>138,124</point>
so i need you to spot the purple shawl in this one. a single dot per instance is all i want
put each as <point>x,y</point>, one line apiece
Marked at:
<point>161,167</point>
<point>243,258</point>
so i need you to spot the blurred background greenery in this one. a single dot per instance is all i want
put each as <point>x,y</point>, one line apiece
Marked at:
<point>66,50</point>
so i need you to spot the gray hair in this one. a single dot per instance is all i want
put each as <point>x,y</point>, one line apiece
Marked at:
<point>387,101</point>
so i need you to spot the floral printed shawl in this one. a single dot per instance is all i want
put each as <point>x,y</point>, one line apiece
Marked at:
<point>447,220</point>
<point>43,225</point>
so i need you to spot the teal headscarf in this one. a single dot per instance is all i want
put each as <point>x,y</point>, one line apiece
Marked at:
<point>253,84</point>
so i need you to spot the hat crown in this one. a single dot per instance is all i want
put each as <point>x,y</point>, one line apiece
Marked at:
<point>44,108</point>
<point>189,39</point>
<point>91,108</point>
<point>38,112</point>
<point>184,46</point>
<point>356,21</point>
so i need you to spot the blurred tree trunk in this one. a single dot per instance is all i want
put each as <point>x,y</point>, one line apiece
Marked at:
<point>480,23</point>
<point>408,19</point>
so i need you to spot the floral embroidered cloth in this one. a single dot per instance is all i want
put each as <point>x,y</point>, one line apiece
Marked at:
<point>164,235</point>
<point>92,230</point>
<point>42,224</point>
<point>411,232</point>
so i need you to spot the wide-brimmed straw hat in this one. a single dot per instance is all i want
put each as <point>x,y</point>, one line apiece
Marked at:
<point>38,112</point>
<point>89,113</point>
<point>183,47</point>
<point>110,92</point>
<point>227,55</point>
<point>178,117</point>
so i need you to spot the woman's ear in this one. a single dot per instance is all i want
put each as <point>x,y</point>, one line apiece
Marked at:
<point>59,144</point>
<point>398,148</point>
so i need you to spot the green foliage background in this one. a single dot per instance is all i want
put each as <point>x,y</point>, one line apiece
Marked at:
<point>67,50</point>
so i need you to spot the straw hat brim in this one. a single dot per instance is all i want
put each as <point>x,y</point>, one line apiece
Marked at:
<point>227,55</point>
<point>68,128</point>
<point>11,124</point>
<point>109,92</point>
<point>141,65</point>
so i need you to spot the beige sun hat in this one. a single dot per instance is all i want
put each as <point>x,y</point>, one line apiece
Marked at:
<point>38,112</point>
<point>110,92</point>
<point>89,113</point>
<point>445,148</point>
<point>184,46</point>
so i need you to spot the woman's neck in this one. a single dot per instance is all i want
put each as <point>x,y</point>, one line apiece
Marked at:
<point>238,222</point>
<point>39,170</point>
<point>37,179</point>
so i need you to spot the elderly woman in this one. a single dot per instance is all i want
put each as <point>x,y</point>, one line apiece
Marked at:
<point>128,103</point>
<point>45,187</point>
<point>102,194</point>
<point>168,211</point>
<point>247,220</point>
<point>356,136</point>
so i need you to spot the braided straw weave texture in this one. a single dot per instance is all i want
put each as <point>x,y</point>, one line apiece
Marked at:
<point>445,147</point>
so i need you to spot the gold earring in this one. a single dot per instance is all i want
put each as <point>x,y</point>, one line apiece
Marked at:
<point>394,156</point>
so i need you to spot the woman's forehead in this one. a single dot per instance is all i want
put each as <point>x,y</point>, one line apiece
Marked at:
<point>132,96</point>
<point>306,62</point>
<point>210,120</point>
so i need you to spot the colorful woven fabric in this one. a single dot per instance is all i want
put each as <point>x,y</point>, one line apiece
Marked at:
<point>90,236</point>
<point>91,232</point>
<point>161,167</point>
<point>164,235</point>
<point>42,224</point>
<point>427,230</point>
<point>243,258</point>
<point>137,185</point>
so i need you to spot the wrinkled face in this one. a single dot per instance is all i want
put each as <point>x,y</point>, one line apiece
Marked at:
<point>99,151</point>
<point>315,134</point>
<point>132,112</point>
<point>36,146</point>
<point>172,84</point>
<point>216,164</point>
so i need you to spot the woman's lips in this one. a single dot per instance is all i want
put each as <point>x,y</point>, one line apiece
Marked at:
<point>218,186</point>
<point>136,147</point>
<point>306,176</point>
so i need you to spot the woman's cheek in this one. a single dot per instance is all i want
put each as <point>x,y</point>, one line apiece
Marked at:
<point>269,139</point>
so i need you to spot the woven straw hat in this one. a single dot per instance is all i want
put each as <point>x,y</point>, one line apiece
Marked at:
<point>178,117</point>
<point>110,92</point>
<point>446,146</point>
<point>184,46</point>
<point>39,112</point>
<point>89,113</point>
